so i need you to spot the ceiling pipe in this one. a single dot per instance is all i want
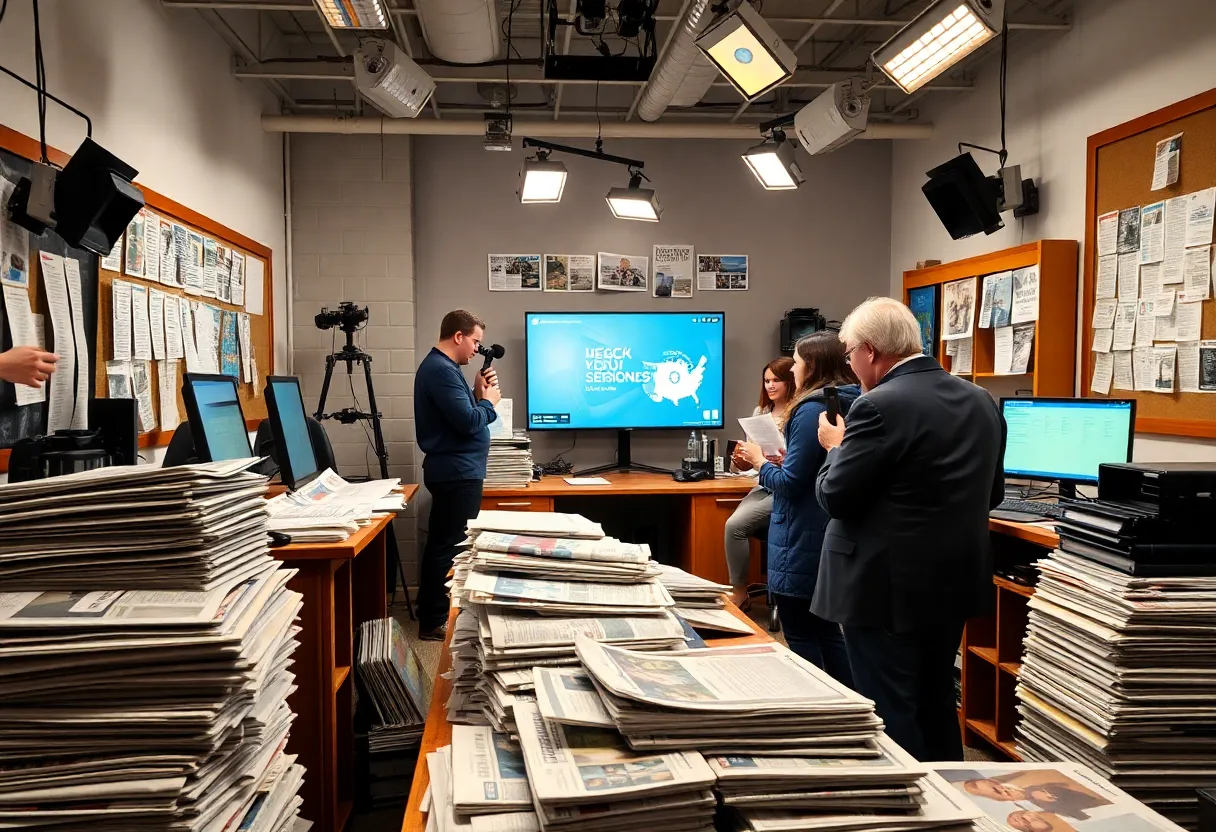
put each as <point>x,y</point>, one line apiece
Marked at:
<point>680,57</point>
<point>548,129</point>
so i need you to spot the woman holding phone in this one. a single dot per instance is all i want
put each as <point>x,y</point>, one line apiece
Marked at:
<point>750,517</point>
<point>797,523</point>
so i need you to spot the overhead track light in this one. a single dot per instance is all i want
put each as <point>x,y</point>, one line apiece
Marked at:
<point>747,51</point>
<point>634,202</point>
<point>353,14</point>
<point>542,180</point>
<point>772,161</point>
<point>939,37</point>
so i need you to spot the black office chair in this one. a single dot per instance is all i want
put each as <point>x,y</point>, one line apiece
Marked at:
<point>181,452</point>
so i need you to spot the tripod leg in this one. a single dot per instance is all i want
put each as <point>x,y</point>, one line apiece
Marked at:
<point>381,451</point>
<point>394,555</point>
<point>329,374</point>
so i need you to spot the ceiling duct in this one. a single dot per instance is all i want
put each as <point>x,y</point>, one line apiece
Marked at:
<point>460,31</point>
<point>683,74</point>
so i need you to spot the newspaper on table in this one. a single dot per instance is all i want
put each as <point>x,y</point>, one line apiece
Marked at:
<point>648,596</point>
<point>607,549</point>
<point>329,497</point>
<point>535,523</point>
<point>691,591</point>
<point>488,772</point>
<point>509,462</point>
<point>712,620</point>
<point>754,774</point>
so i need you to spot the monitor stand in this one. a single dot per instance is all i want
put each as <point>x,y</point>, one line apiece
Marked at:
<point>1068,490</point>
<point>624,461</point>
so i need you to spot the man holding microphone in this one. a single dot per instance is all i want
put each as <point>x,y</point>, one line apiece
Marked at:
<point>452,423</point>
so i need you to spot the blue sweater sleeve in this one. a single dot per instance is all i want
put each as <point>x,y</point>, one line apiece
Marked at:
<point>803,454</point>
<point>451,396</point>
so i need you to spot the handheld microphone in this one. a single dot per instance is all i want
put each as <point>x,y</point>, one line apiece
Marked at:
<point>832,395</point>
<point>490,352</point>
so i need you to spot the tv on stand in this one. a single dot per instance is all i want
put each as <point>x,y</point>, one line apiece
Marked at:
<point>625,371</point>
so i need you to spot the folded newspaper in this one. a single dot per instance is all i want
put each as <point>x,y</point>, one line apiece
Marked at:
<point>535,523</point>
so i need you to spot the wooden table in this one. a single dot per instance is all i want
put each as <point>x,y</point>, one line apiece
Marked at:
<point>704,508</point>
<point>343,585</point>
<point>438,731</point>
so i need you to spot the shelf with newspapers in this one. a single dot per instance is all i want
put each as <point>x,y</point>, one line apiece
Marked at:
<point>1005,320</point>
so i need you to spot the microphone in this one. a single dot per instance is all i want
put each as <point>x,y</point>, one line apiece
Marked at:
<point>491,352</point>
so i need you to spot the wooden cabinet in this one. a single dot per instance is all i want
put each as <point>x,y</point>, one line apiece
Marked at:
<point>522,503</point>
<point>706,550</point>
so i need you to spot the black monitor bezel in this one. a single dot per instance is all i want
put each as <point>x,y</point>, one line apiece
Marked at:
<point>286,474</point>
<point>202,451</point>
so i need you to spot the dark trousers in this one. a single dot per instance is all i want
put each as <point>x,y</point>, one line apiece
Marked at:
<point>910,677</point>
<point>815,639</point>
<point>453,504</point>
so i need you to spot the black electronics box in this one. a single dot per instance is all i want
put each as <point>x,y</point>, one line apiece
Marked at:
<point>1181,492</point>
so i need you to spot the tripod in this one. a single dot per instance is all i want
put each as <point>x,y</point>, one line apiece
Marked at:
<point>352,355</point>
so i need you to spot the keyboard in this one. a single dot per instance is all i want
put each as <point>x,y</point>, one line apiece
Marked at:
<point>1029,509</point>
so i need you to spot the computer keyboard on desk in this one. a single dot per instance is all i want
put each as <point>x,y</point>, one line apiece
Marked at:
<point>1029,509</point>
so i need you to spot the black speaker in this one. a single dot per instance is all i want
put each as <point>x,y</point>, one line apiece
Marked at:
<point>963,198</point>
<point>94,198</point>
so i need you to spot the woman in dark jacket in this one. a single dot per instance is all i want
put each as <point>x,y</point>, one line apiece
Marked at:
<point>795,532</point>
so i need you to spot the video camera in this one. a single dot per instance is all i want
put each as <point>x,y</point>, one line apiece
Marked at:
<point>347,316</point>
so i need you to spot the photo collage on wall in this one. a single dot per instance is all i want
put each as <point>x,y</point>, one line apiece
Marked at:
<point>669,272</point>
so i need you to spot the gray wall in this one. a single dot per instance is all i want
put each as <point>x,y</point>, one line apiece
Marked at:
<point>826,245</point>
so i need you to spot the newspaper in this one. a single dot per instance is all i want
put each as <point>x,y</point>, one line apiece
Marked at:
<point>330,496</point>
<point>507,631</point>
<point>720,621</point>
<point>568,695</point>
<point>500,589</point>
<point>488,773</point>
<point>751,774</point>
<point>605,549</point>
<point>536,523</point>
<point>568,765</point>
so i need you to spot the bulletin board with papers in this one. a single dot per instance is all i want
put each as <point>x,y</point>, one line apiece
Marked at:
<point>1149,315</point>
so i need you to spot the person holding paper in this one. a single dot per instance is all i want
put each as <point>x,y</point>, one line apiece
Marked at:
<point>452,423</point>
<point>750,517</point>
<point>908,481</point>
<point>27,365</point>
<point>795,530</point>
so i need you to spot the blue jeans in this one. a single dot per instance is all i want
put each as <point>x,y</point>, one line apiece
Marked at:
<point>815,639</point>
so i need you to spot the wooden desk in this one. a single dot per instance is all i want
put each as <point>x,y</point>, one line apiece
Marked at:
<point>343,585</point>
<point>705,507</point>
<point>438,731</point>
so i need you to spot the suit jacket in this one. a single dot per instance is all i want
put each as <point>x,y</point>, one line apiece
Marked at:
<point>909,491</point>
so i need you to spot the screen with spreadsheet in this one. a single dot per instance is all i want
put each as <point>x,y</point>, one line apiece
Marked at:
<point>1066,439</point>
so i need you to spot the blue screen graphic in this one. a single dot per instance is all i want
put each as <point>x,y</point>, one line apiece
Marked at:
<point>294,425</point>
<point>617,370</point>
<point>223,425</point>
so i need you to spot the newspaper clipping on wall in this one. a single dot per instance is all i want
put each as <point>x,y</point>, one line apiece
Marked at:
<point>622,272</point>
<point>673,271</point>
<point>722,272</point>
<point>514,272</point>
<point>569,273</point>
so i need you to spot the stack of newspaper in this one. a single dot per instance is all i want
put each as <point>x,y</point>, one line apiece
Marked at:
<point>723,700</point>
<point>329,509</point>
<point>691,592</point>
<point>136,527</point>
<point>509,464</point>
<point>393,680</point>
<point>1120,674</point>
<point>587,779</point>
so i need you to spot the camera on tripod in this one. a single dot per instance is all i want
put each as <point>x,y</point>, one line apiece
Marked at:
<point>347,316</point>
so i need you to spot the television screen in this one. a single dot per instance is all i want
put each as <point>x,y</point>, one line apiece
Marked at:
<point>620,370</point>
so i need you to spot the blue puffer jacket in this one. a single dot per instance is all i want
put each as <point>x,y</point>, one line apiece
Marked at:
<point>796,526</point>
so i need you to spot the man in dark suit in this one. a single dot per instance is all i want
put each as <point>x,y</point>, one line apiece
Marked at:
<point>908,482</point>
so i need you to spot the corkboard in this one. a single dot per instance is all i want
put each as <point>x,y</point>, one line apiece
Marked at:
<point>1119,175</point>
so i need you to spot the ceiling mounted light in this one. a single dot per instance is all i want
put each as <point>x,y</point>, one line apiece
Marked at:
<point>634,202</point>
<point>772,161</point>
<point>542,180</point>
<point>353,14</point>
<point>748,52</point>
<point>939,37</point>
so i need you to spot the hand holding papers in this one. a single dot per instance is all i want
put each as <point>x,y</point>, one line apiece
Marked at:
<point>763,431</point>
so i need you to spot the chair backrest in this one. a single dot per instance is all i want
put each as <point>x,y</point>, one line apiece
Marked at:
<point>264,444</point>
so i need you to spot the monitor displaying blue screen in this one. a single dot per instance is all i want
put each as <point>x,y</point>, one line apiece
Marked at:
<point>1066,439</point>
<point>620,370</point>
<point>222,423</point>
<point>292,428</point>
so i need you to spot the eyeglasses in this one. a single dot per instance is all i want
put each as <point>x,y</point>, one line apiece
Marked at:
<point>848,354</point>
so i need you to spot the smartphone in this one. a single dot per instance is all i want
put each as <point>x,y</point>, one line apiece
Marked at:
<point>731,444</point>
<point>832,395</point>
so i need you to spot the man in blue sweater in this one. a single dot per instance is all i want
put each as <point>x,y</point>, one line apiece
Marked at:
<point>452,423</point>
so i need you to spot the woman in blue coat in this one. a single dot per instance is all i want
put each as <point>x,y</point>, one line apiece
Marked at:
<point>795,531</point>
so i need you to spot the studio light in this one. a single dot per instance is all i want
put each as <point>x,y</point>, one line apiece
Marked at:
<point>772,161</point>
<point>354,14</point>
<point>390,79</point>
<point>634,202</point>
<point>748,52</point>
<point>836,117</point>
<point>543,180</point>
<point>939,37</point>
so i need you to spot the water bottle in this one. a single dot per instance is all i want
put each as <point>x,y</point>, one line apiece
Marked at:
<point>691,455</point>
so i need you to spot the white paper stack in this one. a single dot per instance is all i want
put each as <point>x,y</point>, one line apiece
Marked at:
<point>192,527</point>
<point>393,679</point>
<point>692,592</point>
<point>1120,674</point>
<point>509,463</point>
<point>329,509</point>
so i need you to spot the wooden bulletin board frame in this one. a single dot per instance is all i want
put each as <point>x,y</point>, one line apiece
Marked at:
<point>1118,175</point>
<point>261,326</point>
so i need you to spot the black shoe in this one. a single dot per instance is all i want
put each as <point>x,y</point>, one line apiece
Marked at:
<point>437,634</point>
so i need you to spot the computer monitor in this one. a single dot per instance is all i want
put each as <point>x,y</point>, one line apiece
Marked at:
<point>217,422</point>
<point>289,426</point>
<point>1065,440</point>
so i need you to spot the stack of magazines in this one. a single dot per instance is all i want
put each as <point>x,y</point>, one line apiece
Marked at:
<point>509,464</point>
<point>1120,674</point>
<point>149,709</point>
<point>393,681</point>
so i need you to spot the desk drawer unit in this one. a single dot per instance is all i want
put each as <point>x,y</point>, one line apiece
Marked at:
<point>517,503</point>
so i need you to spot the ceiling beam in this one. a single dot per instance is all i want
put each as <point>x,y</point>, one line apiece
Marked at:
<point>229,35</point>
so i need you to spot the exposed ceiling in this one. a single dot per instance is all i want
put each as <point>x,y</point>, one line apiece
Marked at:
<point>287,45</point>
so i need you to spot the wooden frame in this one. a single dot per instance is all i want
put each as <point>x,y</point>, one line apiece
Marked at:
<point>23,145</point>
<point>1164,121</point>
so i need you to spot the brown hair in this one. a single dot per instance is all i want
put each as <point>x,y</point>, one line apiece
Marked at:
<point>783,369</point>
<point>459,321</point>
<point>823,353</point>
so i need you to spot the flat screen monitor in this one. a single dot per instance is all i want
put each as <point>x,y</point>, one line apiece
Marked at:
<point>217,422</point>
<point>289,425</point>
<point>1066,439</point>
<point>625,370</point>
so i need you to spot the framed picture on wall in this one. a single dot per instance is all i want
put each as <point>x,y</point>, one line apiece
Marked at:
<point>924,305</point>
